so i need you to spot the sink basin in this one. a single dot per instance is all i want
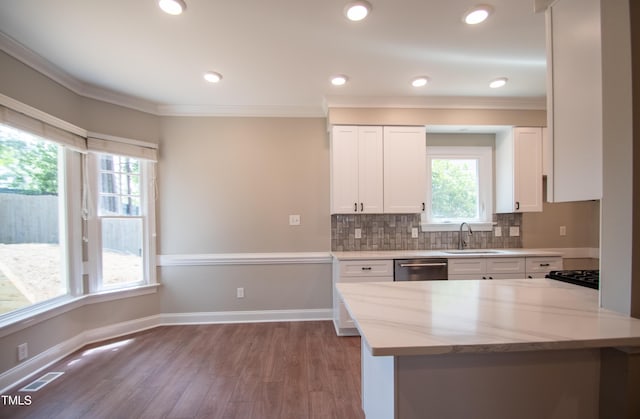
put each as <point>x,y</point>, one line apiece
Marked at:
<point>471,252</point>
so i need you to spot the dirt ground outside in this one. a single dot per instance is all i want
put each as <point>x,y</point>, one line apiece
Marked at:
<point>30,273</point>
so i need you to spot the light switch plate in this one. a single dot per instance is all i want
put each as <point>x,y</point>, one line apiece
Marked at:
<point>563,230</point>
<point>514,231</point>
<point>497,231</point>
<point>358,233</point>
<point>294,220</point>
<point>414,233</point>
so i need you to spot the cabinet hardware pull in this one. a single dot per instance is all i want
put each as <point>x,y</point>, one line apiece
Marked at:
<point>544,264</point>
<point>361,207</point>
<point>423,206</point>
<point>415,265</point>
<point>355,207</point>
<point>366,268</point>
<point>517,205</point>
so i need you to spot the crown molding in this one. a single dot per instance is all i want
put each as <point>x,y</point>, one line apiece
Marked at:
<point>242,110</point>
<point>48,69</point>
<point>437,102</point>
<point>53,72</point>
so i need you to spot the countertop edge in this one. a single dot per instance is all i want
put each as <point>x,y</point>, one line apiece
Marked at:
<point>441,253</point>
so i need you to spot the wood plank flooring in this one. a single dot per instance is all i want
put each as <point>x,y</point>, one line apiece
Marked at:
<point>259,370</point>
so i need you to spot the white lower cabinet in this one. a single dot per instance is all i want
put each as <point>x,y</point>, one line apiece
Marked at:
<point>355,271</point>
<point>487,268</point>
<point>538,267</point>
<point>503,267</point>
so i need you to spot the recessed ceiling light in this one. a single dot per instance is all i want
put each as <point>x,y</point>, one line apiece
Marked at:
<point>339,80</point>
<point>357,10</point>
<point>172,7</point>
<point>477,14</point>
<point>420,81</point>
<point>499,82</point>
<point>212,76</point>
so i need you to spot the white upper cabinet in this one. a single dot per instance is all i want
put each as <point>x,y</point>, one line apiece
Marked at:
<point>574,100</point>
<point>405,169</point>
<point>519,170</point>
<point>356,170</point>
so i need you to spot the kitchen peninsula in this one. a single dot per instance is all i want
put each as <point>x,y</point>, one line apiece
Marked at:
<point>528,348</point>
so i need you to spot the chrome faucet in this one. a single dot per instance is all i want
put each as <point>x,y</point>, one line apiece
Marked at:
<point>461,243</point>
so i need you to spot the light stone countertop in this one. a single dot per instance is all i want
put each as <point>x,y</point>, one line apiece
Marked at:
<point>442,317</point>
<point>444,253</point>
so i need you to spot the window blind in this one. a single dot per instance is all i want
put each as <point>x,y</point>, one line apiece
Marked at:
<point>42,129</point>
<point>122,147</point>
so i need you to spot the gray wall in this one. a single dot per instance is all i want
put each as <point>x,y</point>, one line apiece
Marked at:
<point>228,185</point>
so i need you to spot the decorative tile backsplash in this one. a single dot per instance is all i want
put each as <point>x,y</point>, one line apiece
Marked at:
<point>393,232</point>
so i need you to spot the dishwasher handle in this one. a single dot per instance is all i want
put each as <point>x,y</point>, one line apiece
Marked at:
<point>416,265</point>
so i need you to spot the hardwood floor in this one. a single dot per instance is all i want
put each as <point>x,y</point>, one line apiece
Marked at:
<point>260,370</point>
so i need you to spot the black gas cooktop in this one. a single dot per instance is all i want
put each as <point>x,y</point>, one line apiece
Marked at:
<point>585,278</point>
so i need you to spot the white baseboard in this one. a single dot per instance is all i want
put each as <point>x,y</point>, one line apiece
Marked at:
<point>35,365</point>
<point>246,316</point>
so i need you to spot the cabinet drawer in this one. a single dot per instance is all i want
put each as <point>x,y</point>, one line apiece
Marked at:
<point>367,268</point>
<point>465,266</point>
<point>505,265</point>
<point>544,264</point>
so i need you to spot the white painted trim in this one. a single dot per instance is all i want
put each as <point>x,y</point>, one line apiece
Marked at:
<point>38,363</point>
<point>261,316</point>
<point>212,259</point>
<point>22,319</point>
<point>273,111</point>
<point>436,102</point>
<point>48,69</point>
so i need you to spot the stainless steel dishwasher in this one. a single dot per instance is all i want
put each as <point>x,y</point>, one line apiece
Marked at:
<point>425,269</point>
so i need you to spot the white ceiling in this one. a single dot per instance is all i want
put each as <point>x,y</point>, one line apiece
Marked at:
<point>277,56</point>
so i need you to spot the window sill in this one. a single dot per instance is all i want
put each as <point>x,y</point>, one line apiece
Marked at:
<point>31,316</point>
<point>430,227</point>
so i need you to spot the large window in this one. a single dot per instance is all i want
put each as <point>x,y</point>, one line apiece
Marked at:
<point>33,262</point>
<point>459,187</point>
<point>121,221</point>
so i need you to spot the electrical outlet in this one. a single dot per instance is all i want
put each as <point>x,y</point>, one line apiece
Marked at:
<point>23,352</point>
<point>514,231</point>
<point>414,232</point>
<point>358,233</point>
<point>294,220</point>
<point>240,293</point>
<point>563,230</point>
<point>497,231</point>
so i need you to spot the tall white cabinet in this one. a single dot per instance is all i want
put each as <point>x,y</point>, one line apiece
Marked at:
<point>574,99</point>
<point>356,170</point>
<point>519,170</point>
<point>405,169</point>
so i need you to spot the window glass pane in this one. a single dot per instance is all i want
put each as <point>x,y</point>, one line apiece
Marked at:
<point>454,189</point>
<point>119,186</point>
<point>31,265</point>
<point>121,251</point>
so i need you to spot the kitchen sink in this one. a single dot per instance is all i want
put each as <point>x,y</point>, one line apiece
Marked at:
<point>472,252</point>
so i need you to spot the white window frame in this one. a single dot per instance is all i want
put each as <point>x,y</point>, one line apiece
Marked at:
<point>94,222</point>
<point>69,233</point>
<point>484,156</point>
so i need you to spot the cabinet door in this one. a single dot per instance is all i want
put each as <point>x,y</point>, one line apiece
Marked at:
<point>574,98</point>
<point>405,169</point>
<point>467,266</point>
<point>542,265</point>
<point>370,196</point>
<point>528,169</point>
<point>508,266</point>
<point>344,170</point>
